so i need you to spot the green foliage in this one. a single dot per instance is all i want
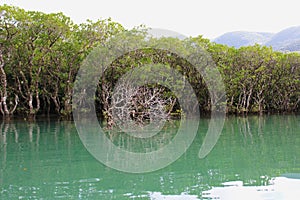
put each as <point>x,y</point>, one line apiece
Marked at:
<point>43,52</point>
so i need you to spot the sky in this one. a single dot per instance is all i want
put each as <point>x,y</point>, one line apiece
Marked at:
<point>210,18</point>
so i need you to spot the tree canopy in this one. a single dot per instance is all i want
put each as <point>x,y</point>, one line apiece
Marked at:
<point>40,55</point>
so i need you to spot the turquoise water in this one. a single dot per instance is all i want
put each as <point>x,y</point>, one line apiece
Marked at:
<point>47,160</point>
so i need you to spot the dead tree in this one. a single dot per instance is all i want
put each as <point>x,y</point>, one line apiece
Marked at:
<point>139,106</point>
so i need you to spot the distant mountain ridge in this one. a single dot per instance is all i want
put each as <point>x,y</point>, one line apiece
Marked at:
<point>243,38</point>
<point>285,40</point>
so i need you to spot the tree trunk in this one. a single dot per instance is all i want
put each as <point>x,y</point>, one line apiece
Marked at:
<point>3,91</point>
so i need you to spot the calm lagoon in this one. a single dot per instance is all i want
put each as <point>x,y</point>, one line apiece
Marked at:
<point>256,157</point>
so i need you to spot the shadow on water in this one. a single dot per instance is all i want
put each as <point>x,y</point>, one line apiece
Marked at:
<point>46,159</point>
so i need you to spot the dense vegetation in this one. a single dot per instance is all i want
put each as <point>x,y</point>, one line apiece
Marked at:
<point>40,55</point>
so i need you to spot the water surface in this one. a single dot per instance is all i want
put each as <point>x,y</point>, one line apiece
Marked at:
<point>46,160</point>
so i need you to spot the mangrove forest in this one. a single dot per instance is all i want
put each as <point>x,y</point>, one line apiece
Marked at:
<point>40,55</point>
